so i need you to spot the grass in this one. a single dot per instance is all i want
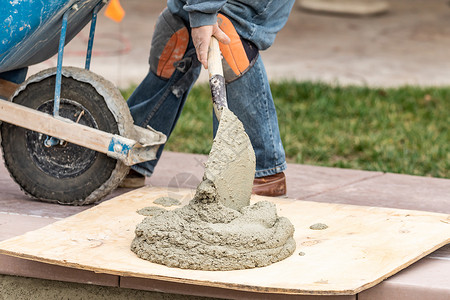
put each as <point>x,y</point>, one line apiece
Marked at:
<point>400,130</point>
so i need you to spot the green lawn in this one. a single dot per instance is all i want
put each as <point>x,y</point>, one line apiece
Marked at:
<point>401,130</point>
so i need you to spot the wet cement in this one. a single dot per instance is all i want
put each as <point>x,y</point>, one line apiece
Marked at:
<point>231,162</point>
<point>167,201</point>
<point>219,229</point>
<point>150,211</point>
<point>318,226</point>
<point>206,235</point>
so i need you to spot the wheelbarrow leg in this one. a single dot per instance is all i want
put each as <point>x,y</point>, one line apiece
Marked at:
<point>91,36</point>
<point>62,40</point>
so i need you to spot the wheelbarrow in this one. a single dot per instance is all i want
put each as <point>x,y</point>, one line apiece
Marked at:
<point>67,135</point>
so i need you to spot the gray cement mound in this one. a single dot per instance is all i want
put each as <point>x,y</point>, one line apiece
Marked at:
<point>206,235</point>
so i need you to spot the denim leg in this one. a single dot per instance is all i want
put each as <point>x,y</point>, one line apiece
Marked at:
<point>250,98</point>
<point>158,102</point>
<point>17,76</point>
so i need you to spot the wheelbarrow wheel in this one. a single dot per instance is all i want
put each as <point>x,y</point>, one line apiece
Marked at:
<point>66,173</point>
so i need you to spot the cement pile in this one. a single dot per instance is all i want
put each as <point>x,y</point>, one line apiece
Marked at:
<point>206,235</point>
<point>218,229</point>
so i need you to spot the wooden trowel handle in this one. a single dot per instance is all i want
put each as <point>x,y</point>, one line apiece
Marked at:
<point>216,79</point>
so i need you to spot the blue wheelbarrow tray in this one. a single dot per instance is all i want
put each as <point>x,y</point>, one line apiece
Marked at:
<point>31,29</point>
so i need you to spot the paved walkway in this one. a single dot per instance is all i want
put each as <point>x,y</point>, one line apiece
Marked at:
<point>427,279</point>
<point>408,45</point>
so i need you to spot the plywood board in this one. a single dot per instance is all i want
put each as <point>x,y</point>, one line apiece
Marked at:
<point>361,247</point>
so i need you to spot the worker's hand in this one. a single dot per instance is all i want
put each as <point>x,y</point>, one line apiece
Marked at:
<point>201,36</point>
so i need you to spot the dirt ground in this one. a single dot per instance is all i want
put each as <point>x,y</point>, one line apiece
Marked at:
<point>408,45</point>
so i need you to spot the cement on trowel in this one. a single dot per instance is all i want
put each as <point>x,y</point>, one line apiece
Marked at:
<point>218,229</point>
<point>231,162</point>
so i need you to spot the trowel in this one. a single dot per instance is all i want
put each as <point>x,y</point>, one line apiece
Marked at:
<point>231,162</point>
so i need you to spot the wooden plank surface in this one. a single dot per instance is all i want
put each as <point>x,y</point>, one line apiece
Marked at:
<point>361,247</point>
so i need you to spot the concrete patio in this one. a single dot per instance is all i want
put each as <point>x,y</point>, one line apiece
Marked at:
<point>408,45</point>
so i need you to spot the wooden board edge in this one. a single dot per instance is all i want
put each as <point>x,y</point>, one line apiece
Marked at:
<point>230,286</point>
<point>200,283</point>
<point>401,267</point>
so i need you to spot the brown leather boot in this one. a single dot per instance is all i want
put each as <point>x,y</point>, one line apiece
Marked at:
<point>272,185</point>
<point>133,180</point>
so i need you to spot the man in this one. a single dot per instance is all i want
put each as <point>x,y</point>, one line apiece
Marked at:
<point>179,48</point>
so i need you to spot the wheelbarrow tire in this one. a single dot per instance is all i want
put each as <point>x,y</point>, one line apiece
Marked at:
<point>67,173</point>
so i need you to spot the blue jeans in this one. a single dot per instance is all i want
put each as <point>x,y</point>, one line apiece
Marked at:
<point>158,102</point>
<point>17,76</point>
